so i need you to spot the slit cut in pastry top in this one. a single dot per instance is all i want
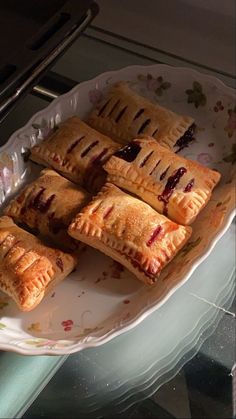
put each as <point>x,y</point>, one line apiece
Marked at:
<point>47,207</point>
<point>77,151</point>
<point>171,184</point>
<point>129,231</point>
<point>124,115</point>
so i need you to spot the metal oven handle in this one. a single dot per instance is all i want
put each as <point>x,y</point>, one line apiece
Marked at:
<point>6,106</point>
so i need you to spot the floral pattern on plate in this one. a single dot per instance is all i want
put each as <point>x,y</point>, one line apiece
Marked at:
<point>196,95</point>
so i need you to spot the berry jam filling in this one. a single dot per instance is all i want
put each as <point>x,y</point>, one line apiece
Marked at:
<point>129,152</point>
<point>143,126</point>
<point>39,204</point>
<point>151,273</point>
<point>154,168</point>
<point>121,113</point>
<point>135,260</point>
<point>23,210</point>
<point>94,169</point>
<point>113,108</point>
<point>103,108</point>
<point>59,263</point>
<point>163,175</point>
<point>98,159</point>
<point>170,186</point>
<point>154,236</point>
<point>138,114</point>
<point>146,159</point>
<point>56,159</point>
<point>189,186</point>
<point>155,132</point>
<point>92,175</point>
<point>74,144</point>
<point>186,139</point>
<point>89,148</point>
<point>107,212</point>
<point>55,225</point>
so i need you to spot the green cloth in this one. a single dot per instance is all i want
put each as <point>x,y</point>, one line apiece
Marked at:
<point>22,378</point>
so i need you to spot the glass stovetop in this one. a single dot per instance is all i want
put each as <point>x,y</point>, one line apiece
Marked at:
<point>147,372</point>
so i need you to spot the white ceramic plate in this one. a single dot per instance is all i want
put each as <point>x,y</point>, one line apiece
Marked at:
<point>99,301</point>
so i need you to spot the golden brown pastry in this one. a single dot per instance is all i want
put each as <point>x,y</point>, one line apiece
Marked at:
<point>28,268</point>
<point>129,231</point>
<point>47,206</point>
<point>171,184</point>
<point>124,115</point>
<point>77,152</point>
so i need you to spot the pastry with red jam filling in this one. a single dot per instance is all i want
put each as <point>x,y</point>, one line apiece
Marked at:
<point>77,151</point>
<point>124,115</point>
<point>47,206</point>
<point>129,231</point>
<point>174,186</point>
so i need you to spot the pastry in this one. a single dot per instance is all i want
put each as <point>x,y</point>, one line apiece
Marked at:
<point>28,268</point>
<point>124,115</point>
<point>129,231</point>
<point>47,206</point>
<point>77,152</point>
<point>174,186</point>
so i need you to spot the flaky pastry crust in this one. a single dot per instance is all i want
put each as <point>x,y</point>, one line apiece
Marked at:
<point>47,206</point>
<point>77,152</point>
<point>123,115</point>
<point>129,231</point>
<point>173,185</point>
<point>28,268</point>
